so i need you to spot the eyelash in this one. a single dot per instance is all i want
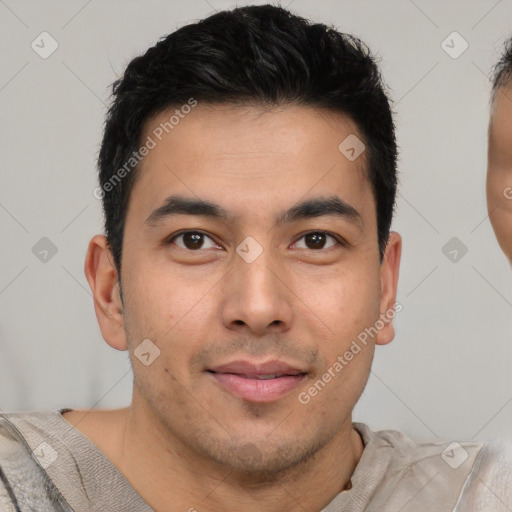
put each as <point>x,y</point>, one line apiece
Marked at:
<point>336,238</point>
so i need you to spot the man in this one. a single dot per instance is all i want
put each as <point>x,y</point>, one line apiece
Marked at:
<point>499,168</point>
<point>248,179</point>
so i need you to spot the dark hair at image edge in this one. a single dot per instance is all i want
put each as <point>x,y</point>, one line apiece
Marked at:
<point>251,55</point>
<point>502,71</point>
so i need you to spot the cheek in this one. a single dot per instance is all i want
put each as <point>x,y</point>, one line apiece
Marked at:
<point>160,298</point>
<point>334,393</point>
<point>354,311</point>
<point>350,296</point>
<point>172,310</point>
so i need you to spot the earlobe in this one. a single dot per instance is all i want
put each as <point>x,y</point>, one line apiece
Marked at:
<point>390,267</point>
<point>103,279</point>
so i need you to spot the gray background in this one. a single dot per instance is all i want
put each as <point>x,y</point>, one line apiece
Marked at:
<point>448,372</point>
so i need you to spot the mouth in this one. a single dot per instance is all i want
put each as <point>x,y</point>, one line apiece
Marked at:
<point>258,382</point>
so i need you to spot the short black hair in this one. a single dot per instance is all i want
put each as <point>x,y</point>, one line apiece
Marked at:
<point>249,55</point>
<point>502,72</point>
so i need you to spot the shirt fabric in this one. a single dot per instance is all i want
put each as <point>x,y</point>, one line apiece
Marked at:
<point>47,465</point>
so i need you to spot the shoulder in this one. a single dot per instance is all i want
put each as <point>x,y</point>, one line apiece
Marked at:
<point>412,475</point>
<point>489,487</point>
<point>402,449</point>
<point>24,484</point>
<point>23,432</point>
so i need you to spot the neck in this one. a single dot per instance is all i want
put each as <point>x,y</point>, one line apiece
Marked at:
<point>165,472</point>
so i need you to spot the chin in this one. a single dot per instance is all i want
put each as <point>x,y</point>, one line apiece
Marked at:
<point>262,461</point>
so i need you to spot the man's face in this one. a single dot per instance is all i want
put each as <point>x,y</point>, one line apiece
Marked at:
<point>243,299</point>
<point>499,169</point>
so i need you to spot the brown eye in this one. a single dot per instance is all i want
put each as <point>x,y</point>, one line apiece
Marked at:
<point>191,240</point>
<point>317,240</point>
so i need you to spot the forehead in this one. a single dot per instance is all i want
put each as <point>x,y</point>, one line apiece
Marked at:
<point>246,156</point>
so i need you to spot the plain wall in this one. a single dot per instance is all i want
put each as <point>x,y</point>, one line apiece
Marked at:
<point>448,373</point>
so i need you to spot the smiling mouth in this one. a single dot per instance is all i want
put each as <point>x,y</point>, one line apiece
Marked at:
<point>257,382</point>
<point>262,376</point>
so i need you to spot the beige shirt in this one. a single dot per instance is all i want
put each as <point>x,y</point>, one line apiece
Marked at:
<point>47,465</point>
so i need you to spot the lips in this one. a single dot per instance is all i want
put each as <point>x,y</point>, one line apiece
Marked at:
<point>258,382</point>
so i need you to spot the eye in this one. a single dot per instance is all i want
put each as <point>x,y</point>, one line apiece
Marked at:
<point>191,240</point>
<point>316,240</point>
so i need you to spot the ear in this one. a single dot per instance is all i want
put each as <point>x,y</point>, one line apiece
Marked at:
<point>389,281</point>
<point>102,276</point>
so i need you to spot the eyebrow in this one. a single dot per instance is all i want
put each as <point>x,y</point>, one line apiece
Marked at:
<point>310,208</point>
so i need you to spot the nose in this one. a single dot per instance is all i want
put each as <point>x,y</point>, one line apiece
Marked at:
<point>256,296</point>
